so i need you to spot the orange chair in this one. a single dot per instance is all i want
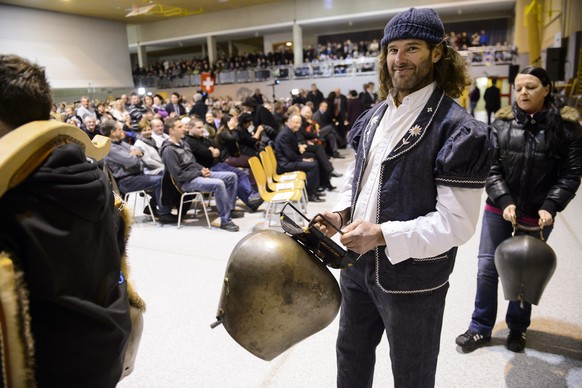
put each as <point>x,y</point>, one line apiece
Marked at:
<point>285,176</point>
<point>273,198</point>
<point>273,185</point>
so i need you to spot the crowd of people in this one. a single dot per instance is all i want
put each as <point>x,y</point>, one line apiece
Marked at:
<point>330,51</point>
<point>282,56</point>
<point>204,143</point>
<point>412,195</point>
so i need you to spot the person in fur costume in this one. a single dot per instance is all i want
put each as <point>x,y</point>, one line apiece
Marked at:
<point>65,303</point>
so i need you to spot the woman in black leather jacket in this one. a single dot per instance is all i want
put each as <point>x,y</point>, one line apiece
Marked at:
<point>535,174</point>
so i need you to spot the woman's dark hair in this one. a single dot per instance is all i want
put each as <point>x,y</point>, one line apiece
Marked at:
<point>223,127</point>
<point>543,76</point>
<point>555,131</point>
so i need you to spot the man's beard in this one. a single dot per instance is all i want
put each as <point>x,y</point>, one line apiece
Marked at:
<point>421,77</point>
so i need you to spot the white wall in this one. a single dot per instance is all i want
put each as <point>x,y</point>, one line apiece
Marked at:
<point>76,51</point>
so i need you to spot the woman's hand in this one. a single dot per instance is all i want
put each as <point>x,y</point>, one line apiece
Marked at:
<point>546,218</point>
<point>509,213</point>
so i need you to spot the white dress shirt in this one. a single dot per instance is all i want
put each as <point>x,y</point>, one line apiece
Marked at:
<point>457,209</point>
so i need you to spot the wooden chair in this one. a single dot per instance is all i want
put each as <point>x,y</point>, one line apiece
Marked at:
<point>273,198</point>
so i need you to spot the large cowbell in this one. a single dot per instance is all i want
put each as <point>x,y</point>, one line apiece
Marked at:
<point>525,265</point>
<point>275,294</point>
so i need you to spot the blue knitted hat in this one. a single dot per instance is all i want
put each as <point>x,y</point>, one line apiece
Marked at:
<point>415,23</point>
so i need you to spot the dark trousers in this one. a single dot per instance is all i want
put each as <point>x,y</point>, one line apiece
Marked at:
<point>149,183</point>
<point>412,323</point>
<point>494,231</point>
<point>317,152</point>
<point>244,189</point>
<point>330,136</point>
<point>311,170</point>
<point>489,113</point>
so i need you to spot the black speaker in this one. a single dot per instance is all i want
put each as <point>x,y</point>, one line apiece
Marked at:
<point>555,58</point>
<point>513,70</point>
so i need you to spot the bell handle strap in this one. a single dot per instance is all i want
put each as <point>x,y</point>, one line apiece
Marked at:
<point>529,229</point>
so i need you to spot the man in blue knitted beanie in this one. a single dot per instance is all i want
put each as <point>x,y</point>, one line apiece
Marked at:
<point>412,196</point>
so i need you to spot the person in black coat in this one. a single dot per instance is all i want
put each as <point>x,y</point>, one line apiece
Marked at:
<point>289,154</point>
<point>199,108</point>
<point>59,233</point>
<point>535,174</point>
<point>355,109</point>
<point>316,96</point>
<point>175,108</point>
<point>338,112</point>
<point>492,99</point>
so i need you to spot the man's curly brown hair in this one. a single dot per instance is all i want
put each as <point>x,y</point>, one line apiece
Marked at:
<point>450,72</point>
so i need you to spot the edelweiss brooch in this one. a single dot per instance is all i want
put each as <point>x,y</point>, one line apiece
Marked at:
<point>416,130</point>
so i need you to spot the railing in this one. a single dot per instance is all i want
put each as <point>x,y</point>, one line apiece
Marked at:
<point>487,55</point>
<point>475,56</point>
<point>342,68</point>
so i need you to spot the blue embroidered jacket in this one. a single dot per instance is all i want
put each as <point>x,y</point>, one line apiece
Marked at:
<point>445,146</point>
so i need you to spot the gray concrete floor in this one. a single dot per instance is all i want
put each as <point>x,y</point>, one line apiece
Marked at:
<point>179,273</point>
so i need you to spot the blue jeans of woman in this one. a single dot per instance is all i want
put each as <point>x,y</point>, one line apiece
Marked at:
<point>150,183</point>
<point>493,232</point>
<point>412,323</point>
<point>244,186</point>
<point>223,184</point>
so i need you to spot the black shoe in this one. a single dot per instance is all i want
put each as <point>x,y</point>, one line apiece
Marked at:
<point>146,210</point>
<point>337,155</point>
<point>516,340</point>
<point>254,206</point>
<point>230,226</point>
<point>314,198</point>
<point>255,201</point>
<point>168,219</point>
<point>236,214</point>
<point>470,340</point>
<point>330,187</point>
<point>335,174</point>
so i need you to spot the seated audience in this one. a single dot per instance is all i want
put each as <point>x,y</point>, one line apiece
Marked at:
<point>237,144</point>
<point>208,155</point>
<point>90,126</point>
<point>189,175</point>
<point>151,158</point>
<point>127,168</point>
<point>158,133</point>
<point>210,127</point>
<point>175,107</point>
<point>323,129</point>
<point>289,154</point>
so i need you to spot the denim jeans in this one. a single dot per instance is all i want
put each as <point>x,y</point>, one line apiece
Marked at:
<point>244,187</point>
<point>150,183</point>
<point>494,231</point>
<point>223,184</point>
<point>412,323</point>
